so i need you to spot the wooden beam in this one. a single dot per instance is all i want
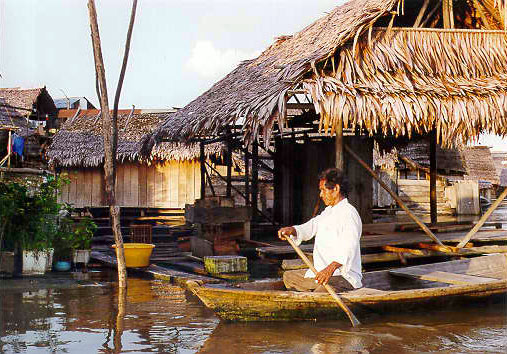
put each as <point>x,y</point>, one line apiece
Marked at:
<point>202,159</point>
<point>483,218</point>
<point>433,176</point>
<point>394,196</point>
<point>448,13</point>
<point>255,177</point>
<point>229,165</point>
<point>421,13</point>
<point>300,106</point>
<point>404,250</point>
<point>247,177</point>
<point>339,160</point>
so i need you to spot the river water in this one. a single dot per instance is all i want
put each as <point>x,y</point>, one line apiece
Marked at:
<point>82,313</point>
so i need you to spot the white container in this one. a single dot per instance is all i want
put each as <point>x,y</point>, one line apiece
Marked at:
<point>34,262</point>
<point>81,256</point>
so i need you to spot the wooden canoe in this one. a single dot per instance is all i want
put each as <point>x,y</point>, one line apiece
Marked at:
<point>431,284</point>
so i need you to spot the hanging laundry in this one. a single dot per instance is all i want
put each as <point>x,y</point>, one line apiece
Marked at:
<point>18,144</point>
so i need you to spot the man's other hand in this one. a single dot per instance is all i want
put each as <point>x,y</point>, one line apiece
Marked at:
<point>285,232</point>
<point>325,274</point>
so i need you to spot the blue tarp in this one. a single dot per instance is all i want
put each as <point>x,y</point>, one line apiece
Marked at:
<point>18,144</point>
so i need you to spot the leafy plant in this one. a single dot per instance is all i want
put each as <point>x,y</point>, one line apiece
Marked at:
<point>29,216</point>
<point>83,234</point>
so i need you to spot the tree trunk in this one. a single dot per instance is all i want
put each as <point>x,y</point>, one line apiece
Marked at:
<point>110,132</point>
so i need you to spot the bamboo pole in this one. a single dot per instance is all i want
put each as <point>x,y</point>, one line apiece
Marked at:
<point>394,196</point>
<point>229,164</point>
<point>483,219</point>
<point>255,178</point>
<point>433,176</point>
<point>339,160</point>
<point>9,149</point>
<point>330,290</point>
<point>202,159</point>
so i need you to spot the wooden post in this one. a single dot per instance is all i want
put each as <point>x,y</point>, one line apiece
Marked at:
<point>247,177</point>
<point>229,163</point>
<point>202,159</point>
<point>483,219</point>
<point>255,178</point>
<point>395,197</point>
<point>339,160</point>
<point>9,149</point>
<point>448,13</point>
<point>433,176</point>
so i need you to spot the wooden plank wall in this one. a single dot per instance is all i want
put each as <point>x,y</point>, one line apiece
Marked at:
<point>416,194</point>
<point>169,185</point>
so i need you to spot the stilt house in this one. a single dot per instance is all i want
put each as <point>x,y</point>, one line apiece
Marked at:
<point>168,178</point>
<point>383,70</point>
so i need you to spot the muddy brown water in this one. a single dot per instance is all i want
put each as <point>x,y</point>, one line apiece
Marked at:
<point>80,313</point>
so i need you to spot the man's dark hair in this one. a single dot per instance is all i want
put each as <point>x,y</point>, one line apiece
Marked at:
<point>333,177</point>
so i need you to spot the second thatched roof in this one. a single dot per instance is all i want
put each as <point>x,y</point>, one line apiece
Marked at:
<point>80,142</point>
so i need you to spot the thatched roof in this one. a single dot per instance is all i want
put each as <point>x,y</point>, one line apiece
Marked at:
<point>80,142</point>
<point>384,80</point>
<point>503,177</point>
<point>479,164</point>
<point>447,159</point>
<point>500,161</point>
<point>472,163</point>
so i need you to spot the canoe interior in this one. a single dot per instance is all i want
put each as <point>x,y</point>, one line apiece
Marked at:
<point>492,267</point>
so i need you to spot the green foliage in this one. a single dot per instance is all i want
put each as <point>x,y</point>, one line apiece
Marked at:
<point>83,234</point>
<point>29,218</point>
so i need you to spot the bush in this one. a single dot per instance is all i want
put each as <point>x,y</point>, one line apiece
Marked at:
<point>29,219</point>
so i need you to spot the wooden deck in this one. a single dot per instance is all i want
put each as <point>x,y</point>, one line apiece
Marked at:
<point>175,276</point>
<point>384,236</point>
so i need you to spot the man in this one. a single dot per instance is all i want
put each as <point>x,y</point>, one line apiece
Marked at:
<point>337,230</point>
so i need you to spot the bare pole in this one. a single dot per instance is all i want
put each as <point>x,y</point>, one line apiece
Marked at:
<point>110,131</point>
<point>485,217</point>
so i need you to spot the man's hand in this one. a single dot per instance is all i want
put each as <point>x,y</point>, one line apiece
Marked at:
<point>285,232</point>
<point>325,274</point>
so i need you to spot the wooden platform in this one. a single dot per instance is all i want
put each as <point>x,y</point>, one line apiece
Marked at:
<point>441,277</point>
<point>175,276</point>
<point>397,238</point>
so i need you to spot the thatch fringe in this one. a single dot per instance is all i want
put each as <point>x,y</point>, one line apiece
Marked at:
<point>412,80</point>
<point>80,142</point>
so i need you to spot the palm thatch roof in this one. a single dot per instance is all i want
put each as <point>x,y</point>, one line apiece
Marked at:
<point>466,162</point>
<point>80,142</point>
<point>479,164</point>
<point>500,160</point>
<point>384,80</point>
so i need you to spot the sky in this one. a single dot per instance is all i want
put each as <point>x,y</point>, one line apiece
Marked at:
<point>179,48</point>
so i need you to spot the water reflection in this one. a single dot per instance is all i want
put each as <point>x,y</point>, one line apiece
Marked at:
<point>91,315</point>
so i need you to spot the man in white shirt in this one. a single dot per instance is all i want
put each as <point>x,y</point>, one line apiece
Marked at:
<point>337,230</point>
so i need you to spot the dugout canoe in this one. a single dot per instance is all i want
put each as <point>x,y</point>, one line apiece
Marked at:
<point>387,290</point>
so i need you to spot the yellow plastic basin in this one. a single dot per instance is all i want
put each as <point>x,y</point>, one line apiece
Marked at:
<point>137,254</point>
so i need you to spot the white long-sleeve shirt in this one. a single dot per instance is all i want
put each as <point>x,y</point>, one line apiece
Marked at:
<point>337,231</point>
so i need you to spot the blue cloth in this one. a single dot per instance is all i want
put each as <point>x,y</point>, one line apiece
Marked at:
<point>18,144</point>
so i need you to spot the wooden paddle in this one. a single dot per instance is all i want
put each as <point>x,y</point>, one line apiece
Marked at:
<point>330,290</point>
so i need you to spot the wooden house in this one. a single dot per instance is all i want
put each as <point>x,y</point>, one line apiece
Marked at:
<point>383,70</point>
<point>500,160</point>
<point>466,172</point>
<point>168,178</point>
<point>28,113</point>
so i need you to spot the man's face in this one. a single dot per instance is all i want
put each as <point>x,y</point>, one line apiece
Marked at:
<point>329,196</point>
